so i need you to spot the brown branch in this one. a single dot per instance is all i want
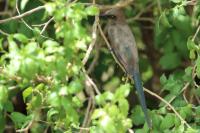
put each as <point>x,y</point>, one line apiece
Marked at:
<point>183,90</point>
<point>87,114</point>
<point>141,12</point>
<point>45,25</point>
<point>25,130</point>
<point>22,18</point>
<point>95,59</point>
<point>168,104</point>
<point>94,38</point>
<point>91,82</point>
<point>22,15</point>
<point>196,33</point>
<point>120,4</point>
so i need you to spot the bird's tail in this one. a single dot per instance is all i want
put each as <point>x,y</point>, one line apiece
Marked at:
<point>139,88</point>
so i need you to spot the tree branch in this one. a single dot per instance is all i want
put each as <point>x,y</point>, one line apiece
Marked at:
<point>173,109</point>
<point>22,15</point>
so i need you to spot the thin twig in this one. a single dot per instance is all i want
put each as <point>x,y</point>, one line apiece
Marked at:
<point>22,18</point>
<point>141,12</point>
<point>184,96</point>
<point>196,33</point>
<point>95,59</point>
<point>159,6</point>
<point>86,114</point>
<point>4,33</point>
<point>93,84</point>
<point>94,38</point>
<point>197,98</point>
<point>22,15</point>
<point>25,130</point>
<point>163,100</point>
<point>120,4</point>
<point>45,25</point>
<point>108,45</point>
<point>183,90</point>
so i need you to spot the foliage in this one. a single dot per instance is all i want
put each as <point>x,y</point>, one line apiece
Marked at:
<point>45,86</point>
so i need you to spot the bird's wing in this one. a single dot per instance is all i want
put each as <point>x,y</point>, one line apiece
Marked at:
<point>123,45</point>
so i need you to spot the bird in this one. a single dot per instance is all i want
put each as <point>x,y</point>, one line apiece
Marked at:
<point>123,46</point>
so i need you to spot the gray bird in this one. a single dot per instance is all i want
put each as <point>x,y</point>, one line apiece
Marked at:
<point>123,45</point>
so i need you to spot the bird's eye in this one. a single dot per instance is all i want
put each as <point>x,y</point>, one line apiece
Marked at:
<point>112,16</point>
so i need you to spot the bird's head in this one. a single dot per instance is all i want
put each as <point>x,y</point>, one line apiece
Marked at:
<point>113,14</point>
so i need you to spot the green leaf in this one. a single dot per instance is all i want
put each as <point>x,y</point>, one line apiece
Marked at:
<point>164,20</point>
<point>198,66</point>
<point>137,116</point>
<point>50,7</point>
<point>186,112</point>
<point>13,48</point>
<point>122,91</point>
<point>51,113</point>
<point>127,123</point>
<point>170,61</point>
<point>191,130</point>
<point>3,96</point>
<point>191,44</point>
<point>123,106</point>
<point>92,10</point>
<point>75,86</point>
<point>1,44</point>
<point>23,4</point>
<point>8,106</point>
<point>113,110</point>
<point>156,120</point>
<point>36,101</point>
<point>98,113</point>
<point>192,54</point>
<point>163,79</point>
<point>180,129</point>
<point>27,92</point>
<point>106,96</point>
<point>107,124</point>
<point>198,111</point>
<point>2,122</point>
<point>168,121</point>
<point>31,47</point>
<point>50,46</point>
<point>19,119</point>
<point>21,37</point>
<point>176,1</point>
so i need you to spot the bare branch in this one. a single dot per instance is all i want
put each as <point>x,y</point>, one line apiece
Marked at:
<point>196,33</point>
<point>94,38</point>
<point>4,33</point>
<point>168,104</point>
<point>25,130</point>
<point>22,15</point>
<point>22,18</point>
<point>45,25</point>
<point>120,4</point>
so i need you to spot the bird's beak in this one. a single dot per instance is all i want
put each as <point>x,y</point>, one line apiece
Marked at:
<point>103,15</point>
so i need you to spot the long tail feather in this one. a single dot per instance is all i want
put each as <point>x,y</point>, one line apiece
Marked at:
<point>139,88</point>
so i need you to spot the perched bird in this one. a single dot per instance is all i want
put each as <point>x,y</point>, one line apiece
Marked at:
<point>123,45</point>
